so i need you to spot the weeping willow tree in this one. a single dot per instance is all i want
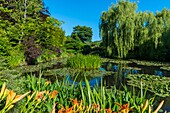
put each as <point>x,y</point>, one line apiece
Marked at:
<point>117,28</point>
<point>124,30</point>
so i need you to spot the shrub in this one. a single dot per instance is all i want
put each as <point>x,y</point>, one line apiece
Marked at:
<point>86,49</point>
<point>57,50</point>
<point>3,63</point>
<point>32,52</point>
<point>46,55</point>
<point>86,62</point>
<point>16,58</point>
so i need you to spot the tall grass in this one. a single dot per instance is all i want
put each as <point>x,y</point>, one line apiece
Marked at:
<point>87,62</point>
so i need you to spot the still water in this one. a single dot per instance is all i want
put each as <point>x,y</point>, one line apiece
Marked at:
<point>121,70</point>
<point>118,76</point>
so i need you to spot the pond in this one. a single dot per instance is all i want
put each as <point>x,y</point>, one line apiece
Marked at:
<point>116,75</point>
<point>121,71</point>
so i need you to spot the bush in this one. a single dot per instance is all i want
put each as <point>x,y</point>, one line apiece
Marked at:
<point>16,58</point>
<point>86,49</point>
<point>86,62</point>
<point>32,52</point>
<point>47,55</point>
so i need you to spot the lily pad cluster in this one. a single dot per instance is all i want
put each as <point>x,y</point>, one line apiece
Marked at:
<point>156,84</point>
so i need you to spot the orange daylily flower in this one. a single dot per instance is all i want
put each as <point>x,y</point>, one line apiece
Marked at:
<point>6,92</point>
<point>40,95</point>
<point>10,96</point>
<point>75,102</point>
<point>63,110</point>
<point>123,108</point>
<point>60,111</point>
<point>159,106</point>
<point>47,82</point>
<point>11,106</point>
<point>19,97</point>
<point>109,110</point>
<point>54,93</point>
<point>95,105</point>
<point>69,110</point>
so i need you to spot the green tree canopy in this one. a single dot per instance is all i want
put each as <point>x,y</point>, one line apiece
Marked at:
<point>27,18</point>
<point>82,33</point>
<point>124,31</point>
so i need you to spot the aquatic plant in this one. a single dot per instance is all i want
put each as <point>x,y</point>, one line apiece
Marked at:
<point>165,68</point>
<point>149,63</point>
<point>116,61</point>
<point>86,62</point>
<point>156,84</point>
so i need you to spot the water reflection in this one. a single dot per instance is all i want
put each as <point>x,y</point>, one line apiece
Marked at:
<point>122,70</point>
<point>158,72</point>
<point>133,68</point>
<point>117,76</point>
<point>82,76</point>
<point>92,82</point>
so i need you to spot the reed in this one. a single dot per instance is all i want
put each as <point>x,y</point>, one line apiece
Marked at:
<point>87,62</point>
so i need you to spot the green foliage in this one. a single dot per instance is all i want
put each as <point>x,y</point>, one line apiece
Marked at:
<point>87,62</point>
<point>69,95</point>
<point>86,49</point>
<point>3,63</point>
<point>97,48</point>
<point>39,84</point>
<point>16,57</point>
<point>51,34</point>
<point>118,33</point>
<point>73,46</point>
<point>23,16</point>
<point>10,97</point>
<point>5,44</point>
<point>47,55</point>
<point>21,19</point>
<point>82,33</point>
<point>156,84</point>
<point>44,94</point>
<point>132,34</point>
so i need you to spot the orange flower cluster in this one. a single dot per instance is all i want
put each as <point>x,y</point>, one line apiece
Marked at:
<point>123,108</point>
<point>95,108</point>
<point>54,93</point>
<point>11,98</point>
<point>40,95</point>
<point>77,106</point>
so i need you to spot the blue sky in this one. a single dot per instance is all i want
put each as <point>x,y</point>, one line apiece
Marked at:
<point>87,12</point>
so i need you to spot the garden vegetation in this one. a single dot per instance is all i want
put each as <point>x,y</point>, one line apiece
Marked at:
<point>36,57</point>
